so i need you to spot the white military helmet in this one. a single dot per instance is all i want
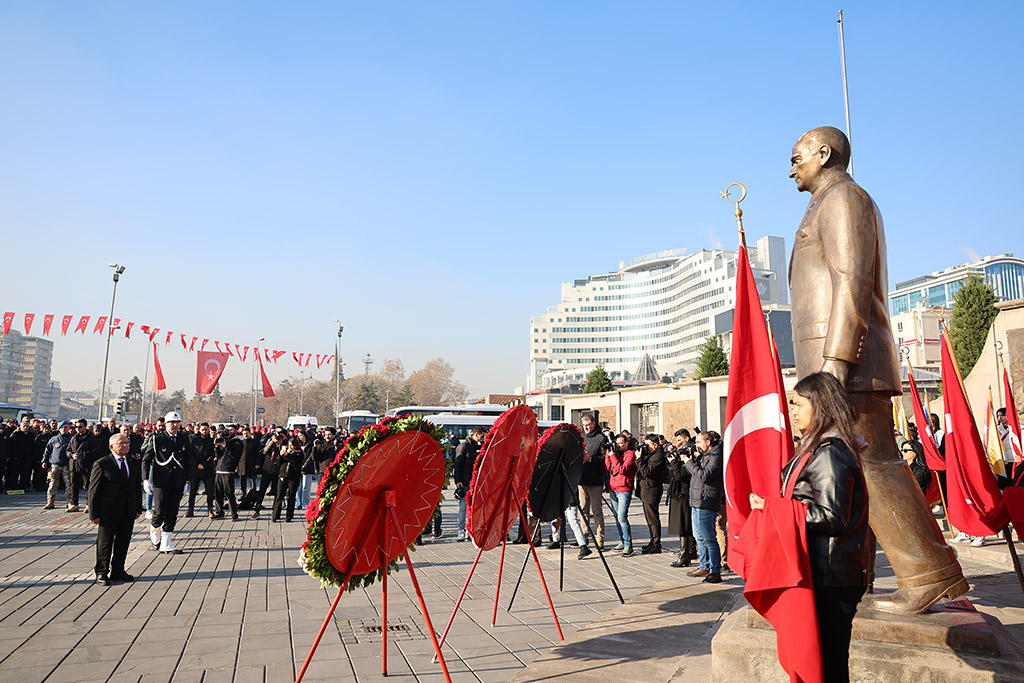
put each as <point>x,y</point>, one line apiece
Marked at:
<point>172,416</point>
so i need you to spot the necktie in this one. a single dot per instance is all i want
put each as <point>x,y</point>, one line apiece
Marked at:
<point>124,468</point>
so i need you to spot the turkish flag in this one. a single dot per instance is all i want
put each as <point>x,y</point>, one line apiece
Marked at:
<point>1013,420</point>
<point>758,441</point>
<point>29,317</point>
<point>8,321</point>
<point>975,504</point>
<point>779,585</point>
<point>115,324</point>
<point>192,345</point>
<point>209,368</point>
<point>158,376</point>
<point>268,389</point>
<point>128,330</point>
<point>932,457</point>
<point>184,344</point>
<point>82,324</point>
<point>167,342</point>
<point>202,347</point>
<point>101,322</point>
<point>65,323</point>
<point>152,333</point>
<point>47,322</point>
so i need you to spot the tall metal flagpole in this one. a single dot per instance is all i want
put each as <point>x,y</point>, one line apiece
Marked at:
<point>145,382</point>
<point>846,90</point>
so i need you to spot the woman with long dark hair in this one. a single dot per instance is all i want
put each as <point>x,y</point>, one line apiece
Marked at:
<point>830,481</point>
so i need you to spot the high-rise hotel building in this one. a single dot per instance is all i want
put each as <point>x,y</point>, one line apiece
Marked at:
<point>663,304</point>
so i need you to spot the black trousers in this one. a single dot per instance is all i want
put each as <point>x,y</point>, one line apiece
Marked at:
<point>268,481</point>
<point>836,606</point>
<point>286,488</point>
<point>193,489</point>
<point>165,507</point>
<point>651,514</point>
<point>112,541</point>
<point>225,486</point>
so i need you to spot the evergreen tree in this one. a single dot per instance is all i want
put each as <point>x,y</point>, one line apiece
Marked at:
<point>712,361</point>
<point>367,398</point>
<point>598,381</point>
<point>133,395</point>
<point>973,312</point>
<point>405,397</point>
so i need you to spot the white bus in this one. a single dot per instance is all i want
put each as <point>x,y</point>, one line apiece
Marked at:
<point>354,420</point>
<point>301,421</point>
<point>460,425</point>
<point>476,409</point>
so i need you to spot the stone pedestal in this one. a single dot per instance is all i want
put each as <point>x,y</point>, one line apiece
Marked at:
<point>953,643</point>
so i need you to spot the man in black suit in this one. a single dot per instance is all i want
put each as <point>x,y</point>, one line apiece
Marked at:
<point>115,502</point>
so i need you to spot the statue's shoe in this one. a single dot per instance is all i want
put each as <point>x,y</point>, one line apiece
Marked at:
<point>917,600</point>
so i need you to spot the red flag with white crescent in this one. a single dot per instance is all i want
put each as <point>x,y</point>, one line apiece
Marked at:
<point>128,330</point>
<point>158,376</point>
<point>8,321</point>
<point>266,352</point>
<point>297,358</point>
<point>184,344</point>
<point>1012,420</point>
<point>192,345</point>
<point>101,322</point>
<point>167,342</point>
<point>309,357</point>
<point>209,368</point>
<point>115,325</point>
<point>65,323</point>
<point>145,329</point>
<point>202,347</point>
<point>975,504</point>
<point>245,353</point>
<point>47,322</point>
<point>932,458</point>
<point>757,441</point>
<point>29,317</point>
<point>227,347</point>
<point>152,333</point>
<point>83,323</point>
<point>268,389</point>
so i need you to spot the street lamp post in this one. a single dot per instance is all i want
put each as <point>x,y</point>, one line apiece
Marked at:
<point>118,269</point>
<point>337,373</point>
<point>300,391</point>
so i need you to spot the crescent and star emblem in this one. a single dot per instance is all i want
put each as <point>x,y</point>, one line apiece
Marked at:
<point>211,374</point>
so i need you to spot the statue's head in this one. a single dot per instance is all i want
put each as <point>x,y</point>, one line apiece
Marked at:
<point>817,155</point>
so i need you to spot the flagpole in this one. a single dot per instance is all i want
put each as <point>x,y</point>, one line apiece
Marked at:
<point>738,212</point>
<point>145,383</point>
<point>846,90</point>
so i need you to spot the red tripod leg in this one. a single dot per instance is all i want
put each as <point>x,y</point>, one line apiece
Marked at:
<point>544,584</point>
<point>419,596</point>
<point>458,602</point>
<point>323,628</point>
<point>384,590</point>
<point>501,565</point>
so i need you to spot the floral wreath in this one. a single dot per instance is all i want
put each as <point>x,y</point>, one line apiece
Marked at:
<point>484,446</point>
<point>313,556</point>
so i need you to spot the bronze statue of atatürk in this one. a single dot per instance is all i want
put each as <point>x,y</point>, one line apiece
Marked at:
<point>838,279</point>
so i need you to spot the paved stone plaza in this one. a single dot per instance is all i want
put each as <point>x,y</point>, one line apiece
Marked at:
<point>237,607</point>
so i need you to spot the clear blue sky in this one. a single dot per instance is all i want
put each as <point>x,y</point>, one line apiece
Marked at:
<point>429,172</point>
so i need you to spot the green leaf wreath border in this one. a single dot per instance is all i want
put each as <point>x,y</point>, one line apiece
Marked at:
<point>313,556</point>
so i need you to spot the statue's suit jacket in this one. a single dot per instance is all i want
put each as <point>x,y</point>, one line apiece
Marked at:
<point>839,281</point>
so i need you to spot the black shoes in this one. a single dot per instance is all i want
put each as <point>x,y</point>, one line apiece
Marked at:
<point>102,580</point>
<point>123,576</point>
<point>651,550</point>
<point>584,551</point>
<point>681,561</point>
<point>554,545</point>
<point>712,578</point>
<point>189,514</point>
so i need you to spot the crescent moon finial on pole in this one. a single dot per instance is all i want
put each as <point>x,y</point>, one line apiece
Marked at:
<point>738,212</point>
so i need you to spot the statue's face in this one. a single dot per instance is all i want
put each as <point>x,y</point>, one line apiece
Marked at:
<point>807,166</point>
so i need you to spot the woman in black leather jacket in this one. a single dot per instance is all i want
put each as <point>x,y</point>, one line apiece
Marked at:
<point>831,483</point>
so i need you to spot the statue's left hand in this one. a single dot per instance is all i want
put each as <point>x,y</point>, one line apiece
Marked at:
<point>837,368</point>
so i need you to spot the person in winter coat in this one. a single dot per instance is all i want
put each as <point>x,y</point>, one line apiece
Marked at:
<point>462,472</point>
<point>706,486</point>
<point>82,452</point>
<point>680,515</point>
<point>225,466</point>
<point>830,481</point>
<point>308,469</point>
<point>620,463</point>
<point>652,471</point>
<point>271,462</point>
<point>289,475</point>
<point>56,462</point>
<point>250,461</point>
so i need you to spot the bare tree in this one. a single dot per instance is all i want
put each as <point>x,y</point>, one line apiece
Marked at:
<point>435,384</point>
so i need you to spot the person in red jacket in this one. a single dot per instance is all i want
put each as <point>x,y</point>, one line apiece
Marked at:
<point>621,466</point>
